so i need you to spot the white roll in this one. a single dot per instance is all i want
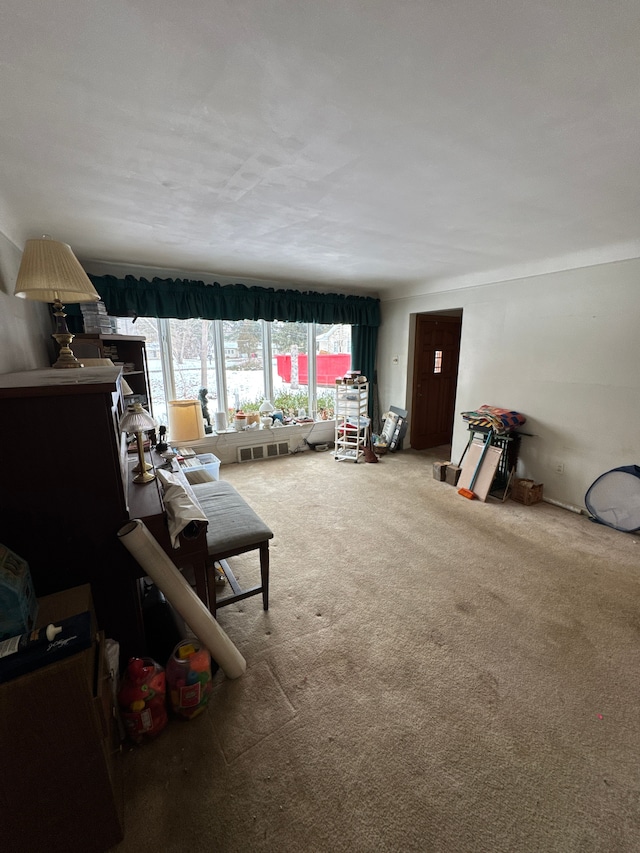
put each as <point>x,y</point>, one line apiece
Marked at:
<point>144,547</point>
<point>220,419</point>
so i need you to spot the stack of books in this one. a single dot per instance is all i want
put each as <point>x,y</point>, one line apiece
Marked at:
<point>111,351</point>
<point>96,319</point>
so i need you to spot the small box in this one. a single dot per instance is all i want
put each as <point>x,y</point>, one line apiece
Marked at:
<point>526,492</point>
<point>452,474</point>
<point>440,470</point>
<point>18,603</point>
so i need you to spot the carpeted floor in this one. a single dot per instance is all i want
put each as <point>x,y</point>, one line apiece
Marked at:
<point>434,674</point>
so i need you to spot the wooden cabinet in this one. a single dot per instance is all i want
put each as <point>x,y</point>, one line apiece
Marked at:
<point>61,782</point>
<point>126,351</point>
<point>62,490</point>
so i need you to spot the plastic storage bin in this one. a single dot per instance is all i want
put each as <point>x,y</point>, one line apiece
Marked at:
<point>210,463</point>
<point>201,468</point>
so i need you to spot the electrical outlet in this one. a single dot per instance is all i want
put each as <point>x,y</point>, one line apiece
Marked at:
<point>560,468</point>
<point>395,360</point>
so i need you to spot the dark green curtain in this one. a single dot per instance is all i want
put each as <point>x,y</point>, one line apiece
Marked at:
<point>183,299</point>
<point>364,340</point>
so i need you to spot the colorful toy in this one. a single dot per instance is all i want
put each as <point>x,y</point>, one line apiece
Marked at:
<point>142,699</point>
<point>189,679</point>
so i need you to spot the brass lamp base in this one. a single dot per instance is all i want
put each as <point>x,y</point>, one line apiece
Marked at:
<point>144,477</point>
<point>66,358</point>
<point>63,336</point>
<point>143,467</point>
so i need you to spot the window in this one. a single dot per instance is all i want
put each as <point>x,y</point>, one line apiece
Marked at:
<point>437,361</point>
<point>289,348</point>
<point>244,365</point>
<point>333,359</point>
<point>243,362</point>
<point>181,360</point>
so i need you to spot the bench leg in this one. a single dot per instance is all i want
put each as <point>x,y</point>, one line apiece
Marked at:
<point>238,594</point>
<point>264,573</point>
<point>202,582</point>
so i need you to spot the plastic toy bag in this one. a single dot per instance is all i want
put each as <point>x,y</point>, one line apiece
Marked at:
<point>189,679</point>
<point>142,699</point>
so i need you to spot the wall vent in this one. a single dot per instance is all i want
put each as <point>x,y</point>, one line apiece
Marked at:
<point>263,451</point>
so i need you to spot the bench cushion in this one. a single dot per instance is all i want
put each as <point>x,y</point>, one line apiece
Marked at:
<point>232,522</point>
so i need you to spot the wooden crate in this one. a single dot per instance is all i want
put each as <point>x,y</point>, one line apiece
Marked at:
<point>526,492</point>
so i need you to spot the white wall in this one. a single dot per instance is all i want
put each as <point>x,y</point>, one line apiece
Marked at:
<point>562,348</point>
<point>25,327</point>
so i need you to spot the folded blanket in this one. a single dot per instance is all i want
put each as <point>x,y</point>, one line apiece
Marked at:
<point>500,420</point>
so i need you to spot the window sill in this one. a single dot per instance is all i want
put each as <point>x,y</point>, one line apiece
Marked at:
<point>225,444</point>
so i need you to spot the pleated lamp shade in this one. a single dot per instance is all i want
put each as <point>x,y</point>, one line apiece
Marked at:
<point>185,420</point>
<point>49,271</point>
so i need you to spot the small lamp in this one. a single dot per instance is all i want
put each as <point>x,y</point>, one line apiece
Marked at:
<point>50,272</point>
<point>137,420</point>
<point>185,421</point>
<point>266,410</point>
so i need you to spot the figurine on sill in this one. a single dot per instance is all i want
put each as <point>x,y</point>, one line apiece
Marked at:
<point>202,394</point>
<point>161,446</point>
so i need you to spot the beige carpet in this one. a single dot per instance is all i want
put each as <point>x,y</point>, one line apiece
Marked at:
<point>434,674</point>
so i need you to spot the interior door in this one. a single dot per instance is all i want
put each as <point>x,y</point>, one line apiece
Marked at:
<point>435,377</point>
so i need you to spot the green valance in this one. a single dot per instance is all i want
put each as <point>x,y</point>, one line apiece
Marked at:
<point>182,299</point>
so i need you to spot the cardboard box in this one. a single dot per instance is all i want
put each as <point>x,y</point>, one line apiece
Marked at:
<point>440,470</point>
<point>63,605</point>
<point>526,492</point>
<point>61,785</point>
<point>35,649</point>
<point>452,474</point>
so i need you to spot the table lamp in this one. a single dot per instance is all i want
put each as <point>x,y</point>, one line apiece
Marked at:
<point>185,421</point>
<point>50,272</point>
<point>137,420</point>
<point>266,413</point>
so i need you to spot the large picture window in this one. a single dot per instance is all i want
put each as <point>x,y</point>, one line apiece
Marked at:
<point>243,362</point>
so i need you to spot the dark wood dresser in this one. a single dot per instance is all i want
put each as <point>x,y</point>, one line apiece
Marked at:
<point>63,494</point>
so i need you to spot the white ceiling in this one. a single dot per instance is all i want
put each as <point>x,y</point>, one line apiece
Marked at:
<point>361,145</point>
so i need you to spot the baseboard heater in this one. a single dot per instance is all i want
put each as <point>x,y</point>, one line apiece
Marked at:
<point>263,451</point>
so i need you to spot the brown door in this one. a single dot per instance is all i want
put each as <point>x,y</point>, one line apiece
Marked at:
<point>435,377</point>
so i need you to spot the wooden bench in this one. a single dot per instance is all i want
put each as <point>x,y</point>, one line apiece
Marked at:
<point>233,528</point>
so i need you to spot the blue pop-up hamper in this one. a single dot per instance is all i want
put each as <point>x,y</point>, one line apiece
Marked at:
<point>614,498</point>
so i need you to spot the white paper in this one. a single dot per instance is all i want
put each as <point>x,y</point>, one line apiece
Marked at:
<point>180,503</point>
